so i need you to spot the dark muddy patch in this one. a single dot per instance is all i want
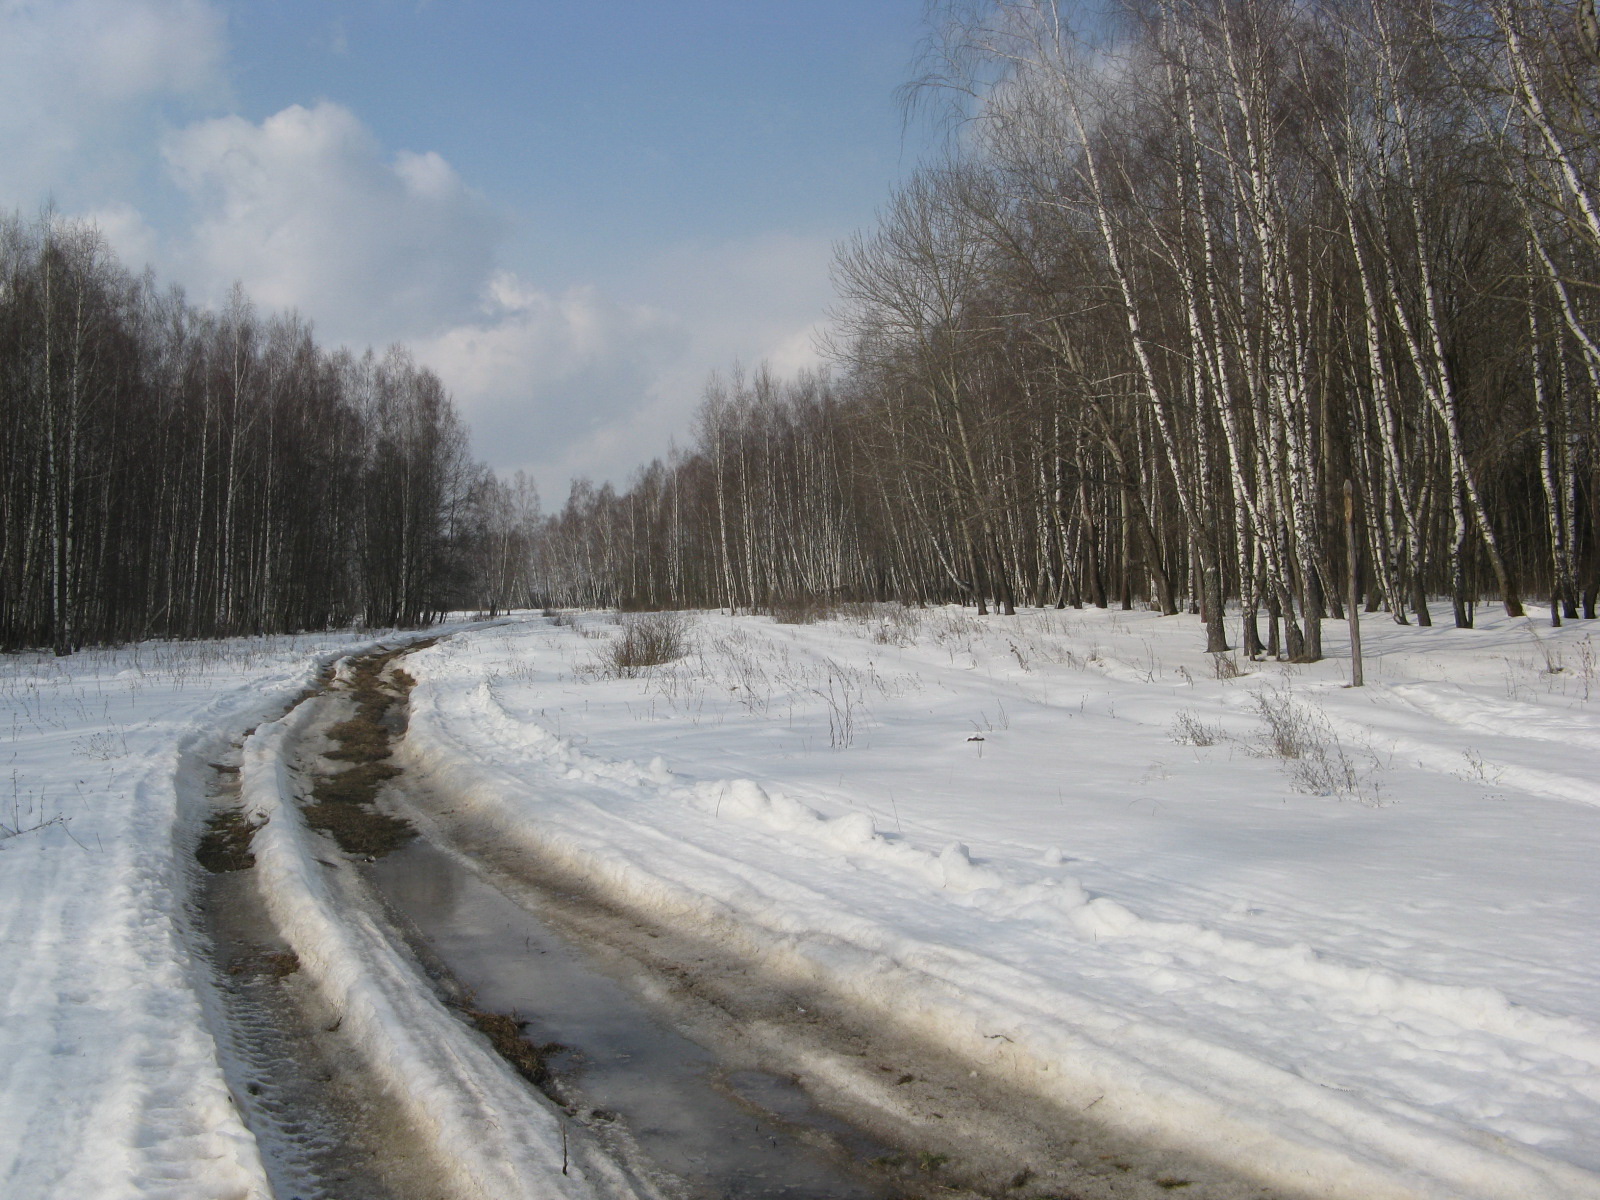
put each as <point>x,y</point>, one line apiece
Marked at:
<point>225,845</point>
<point>361,740</point>
<point>267,964</point>
<point>344,803</point>
<point>313,1122</point>
<point>343,809</point>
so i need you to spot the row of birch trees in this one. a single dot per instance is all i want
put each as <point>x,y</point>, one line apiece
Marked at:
<point>172,471</point>
<point>1189,267</point>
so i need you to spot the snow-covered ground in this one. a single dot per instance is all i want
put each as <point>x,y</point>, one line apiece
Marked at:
<point>1063,845</point>
<point>109,1079</point>
<point>1057,844</point>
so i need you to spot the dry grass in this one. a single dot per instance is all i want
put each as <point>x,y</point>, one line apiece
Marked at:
<point>798,610</point>
<point>505,1036</point>
<point>267,964</point>
<point>647,640</point>
<point>1189,730</point>
<point>1315,759</point>
<point>1225,667</point>
<point>225,845</point>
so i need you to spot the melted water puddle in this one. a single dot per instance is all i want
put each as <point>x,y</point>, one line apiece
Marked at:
<point>619,1062</point>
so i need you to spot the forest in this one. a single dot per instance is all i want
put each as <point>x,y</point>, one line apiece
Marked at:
<point>1188,268</point>
<point>1187,271</point>
<point>170,471</point>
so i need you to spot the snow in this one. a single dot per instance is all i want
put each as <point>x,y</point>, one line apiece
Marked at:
<point>1052,844</point>
<point>109,1077</point>
<point>484,1127</point>
<point>992,832</point>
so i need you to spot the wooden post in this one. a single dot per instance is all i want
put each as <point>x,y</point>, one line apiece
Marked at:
<point>1353,610</point>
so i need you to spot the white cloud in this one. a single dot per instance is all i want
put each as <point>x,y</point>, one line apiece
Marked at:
<point>307,211</point>
<point>756,299</point>
<point>79,78</point>
<point>310,211</point>
<point>537,374</point>
<point>580,384</point>
<point>127,233</point>
<point>529,336</point>
<point>751,301</point>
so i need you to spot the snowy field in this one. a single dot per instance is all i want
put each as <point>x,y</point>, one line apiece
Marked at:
<point>1344,939</point>
<point>109,1079</point>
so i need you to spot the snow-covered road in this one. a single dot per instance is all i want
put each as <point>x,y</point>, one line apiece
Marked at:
<point>993,833</point>
<point>110,1084</point>
<point>1052,845</point>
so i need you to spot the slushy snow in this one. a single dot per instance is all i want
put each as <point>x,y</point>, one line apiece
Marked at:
<point>1060,845</point>
<point>1367,971</point>
<point>110,1084</point>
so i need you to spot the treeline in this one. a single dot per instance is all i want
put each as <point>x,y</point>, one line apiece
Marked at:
<point>170,471</point>
<point>1195,265</point>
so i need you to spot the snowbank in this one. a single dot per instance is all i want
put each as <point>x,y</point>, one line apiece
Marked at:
<point>109,1078</point>
<point>476,1119</point>
<point>991,833</point>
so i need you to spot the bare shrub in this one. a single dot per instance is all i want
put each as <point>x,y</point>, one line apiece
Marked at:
<point>646,640</point>
<point>886,622</point>
<point>860,611</point>
<point>1225,666</point>
<point>1189,730</point>
<point>1289,729</point>
<point>895,624</point>
<point>1329,771</point>
<point>1314,757</point>
<point>799,610</point>
<point>1554,661</point>
<point>842,691</point>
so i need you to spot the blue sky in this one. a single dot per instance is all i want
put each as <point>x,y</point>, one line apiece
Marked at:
<point>573,211</point>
